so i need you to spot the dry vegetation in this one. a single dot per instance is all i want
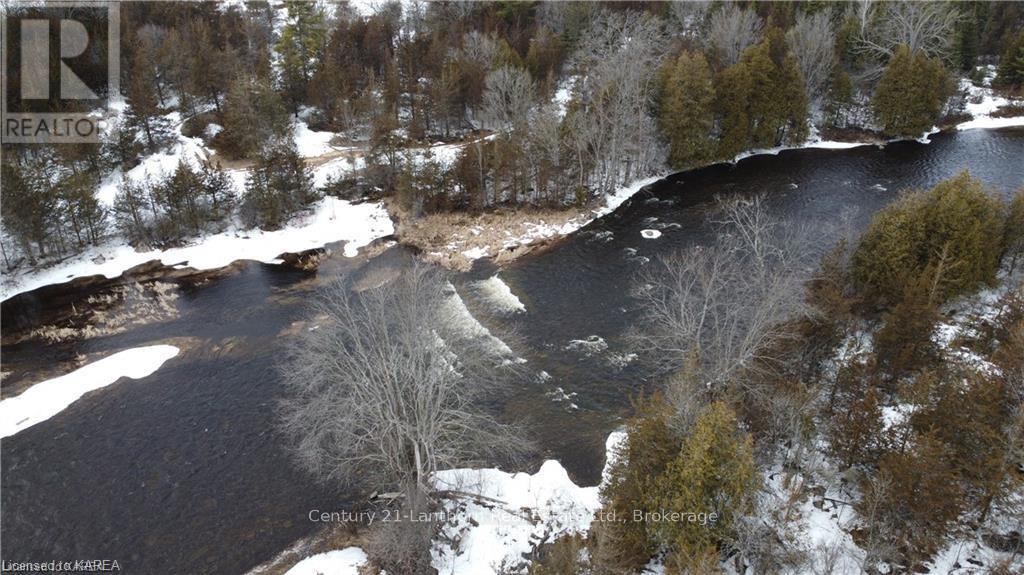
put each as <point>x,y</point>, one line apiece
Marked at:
<point>444,237</point>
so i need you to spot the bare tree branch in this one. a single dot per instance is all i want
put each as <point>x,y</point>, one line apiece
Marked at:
<point>388,388</point>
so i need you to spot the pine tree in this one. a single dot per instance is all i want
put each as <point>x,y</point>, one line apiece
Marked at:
<point>29,201</point>
<point>1011,64</point>
<point>144,112</point>
<point>254,116</point>
<point>131,212</point>
<point>178,196</point>
<point>687,114</point>
<point>278,186</point>
<point>219,190</point>
<point>911,94</point>
<point>301,47</point>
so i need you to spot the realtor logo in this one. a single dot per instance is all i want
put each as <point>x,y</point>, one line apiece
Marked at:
<point>61,61</point>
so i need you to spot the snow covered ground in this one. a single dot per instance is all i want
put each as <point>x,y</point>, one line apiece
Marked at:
<point>982,102</point>
<point>534,509</point>
<point>340,562</point>
<point>332,220</point>
<point>502,517</point>
<point>48,398</point>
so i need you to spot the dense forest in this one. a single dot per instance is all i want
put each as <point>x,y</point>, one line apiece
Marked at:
<point>556,103</point>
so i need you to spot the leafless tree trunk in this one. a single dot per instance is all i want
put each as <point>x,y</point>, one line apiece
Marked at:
<point>717,312</point>
<point>812,42</point>
<point>618,59</point>
<point>925,27</point>
<point>508,98</point>
<point>732,30</point>
<point>387,388</point>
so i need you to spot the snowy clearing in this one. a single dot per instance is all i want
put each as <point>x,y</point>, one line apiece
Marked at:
<point>332,220</point>
<point>309,143</point>
<point>48,398</point>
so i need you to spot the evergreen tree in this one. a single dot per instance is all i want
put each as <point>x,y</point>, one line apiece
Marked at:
<point>254,116</point>
<point>1013,236</point>
<point>904,342</point>
<point>911,94</point>
<point>178,197</point>
<point>81,210</point>
<point>278,186</point>
<point>687,113</point>
<point>130,212</point>
<point>925,497</point>
<point>955,230</point>
<point>218,189</point>
<point>855,422</point>
<point>650,444</point>
<point>1011,63</point>
<point>732,93</point>
<point>144,111</point>
<point>777,104</point>
<point>840,98</point>
<point>968,411</point>
<point>29,201</point>
<point>712,473</point>
<point>301,47</point>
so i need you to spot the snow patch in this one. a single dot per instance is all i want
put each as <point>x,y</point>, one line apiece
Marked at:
<point>650,234</point>
<point>591,345</point>
<point>311,144</point>
<point>340,562</point>
<point>520,512</point>
<point>48,398</point>
<point>332,220</point>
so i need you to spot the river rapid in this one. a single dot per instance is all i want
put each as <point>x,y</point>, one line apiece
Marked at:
<point>183,471</point>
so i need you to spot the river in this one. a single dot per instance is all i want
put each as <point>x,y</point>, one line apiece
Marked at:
<point>183,471</point>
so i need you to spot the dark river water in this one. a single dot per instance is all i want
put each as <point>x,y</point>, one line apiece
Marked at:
<point>183,471</point>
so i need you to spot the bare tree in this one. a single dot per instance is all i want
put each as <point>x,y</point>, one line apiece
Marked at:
<point>387,388</point>
<point>618,59</point>
<point>732,30</point>
<point>924,27</point>
<point>812,43</point>
<point>687,18</point>
<point>717,312</point>
<point>508,97</point>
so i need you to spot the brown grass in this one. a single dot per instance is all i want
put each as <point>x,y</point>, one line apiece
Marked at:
<point>444,237</point>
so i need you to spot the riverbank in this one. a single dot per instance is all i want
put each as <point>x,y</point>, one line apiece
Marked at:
<point>456,240</point>
<point>453,240</point>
